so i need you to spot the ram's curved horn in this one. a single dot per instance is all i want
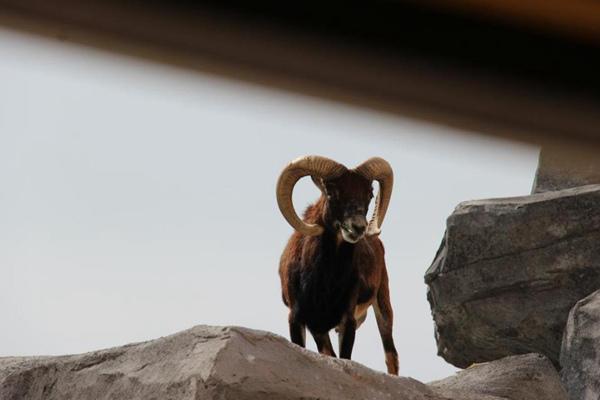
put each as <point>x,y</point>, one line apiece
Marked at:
<point>317,167</point>
<point>379,170</point>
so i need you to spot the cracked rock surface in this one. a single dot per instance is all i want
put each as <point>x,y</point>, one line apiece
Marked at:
<point>201,363</point>
<point>559,168</point>
<point>525,377</point>
<point>509,271</point>
<point>580,354</point>
<point>231,363</point>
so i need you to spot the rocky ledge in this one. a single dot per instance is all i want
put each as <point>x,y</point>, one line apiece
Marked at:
<point>522,275</point>
<point>510,270</point>
<point>243,364</point>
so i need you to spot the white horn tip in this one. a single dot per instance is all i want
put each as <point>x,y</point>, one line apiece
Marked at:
<point>374,231</point>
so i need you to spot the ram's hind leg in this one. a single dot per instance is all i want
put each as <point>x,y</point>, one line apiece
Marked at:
<point>297,331</point>
<point>323,343</point>
<point>360,320</point>
<point>385,323</point>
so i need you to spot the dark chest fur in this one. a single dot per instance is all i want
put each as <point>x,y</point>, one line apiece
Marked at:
<point>326,284</point>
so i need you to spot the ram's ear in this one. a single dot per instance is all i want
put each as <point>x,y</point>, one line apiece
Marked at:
<point>331,189</point>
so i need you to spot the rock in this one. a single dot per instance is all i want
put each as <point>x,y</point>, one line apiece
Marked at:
<point>580,354</point>
<point>205,363</point>
<point>510,270</point>
<point>561,168</point>
<point>202,363</point>
<point>525,377</point>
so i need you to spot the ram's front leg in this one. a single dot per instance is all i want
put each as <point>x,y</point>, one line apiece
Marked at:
<point>324,343</point>
<point>347,329</point>
<point>346,335</point>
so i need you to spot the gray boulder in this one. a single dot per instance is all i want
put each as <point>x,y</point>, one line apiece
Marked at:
<point>510,270</point>
<point>526,377</point>
<point>202,363</point>
<point>580,354</point>
<point>205,363</point>
<point>561,168</point>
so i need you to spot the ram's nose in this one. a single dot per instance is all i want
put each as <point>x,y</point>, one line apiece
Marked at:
<point>358,225</point>
<point>353,228</point>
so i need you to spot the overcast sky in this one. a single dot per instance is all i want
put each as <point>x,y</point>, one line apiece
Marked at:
<point>137,200</point>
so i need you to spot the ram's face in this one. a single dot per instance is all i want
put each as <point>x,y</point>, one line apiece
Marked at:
<point>348,193</point>
<point>348,199</point>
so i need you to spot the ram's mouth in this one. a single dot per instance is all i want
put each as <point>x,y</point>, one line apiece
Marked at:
<point>349,235</point>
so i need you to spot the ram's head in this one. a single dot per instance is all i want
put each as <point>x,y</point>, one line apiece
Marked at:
<point>347,194</point>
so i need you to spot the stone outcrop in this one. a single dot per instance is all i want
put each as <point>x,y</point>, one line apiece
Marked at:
<point>525,377</point>
<point>202,363</point>
<point>231,363</point>
<point>510,270</point>
<point>580,354</point>
<point>561,168</point>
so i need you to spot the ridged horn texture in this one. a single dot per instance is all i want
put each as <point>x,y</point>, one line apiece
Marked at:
<point>377,169</point>
<point>317,167</point>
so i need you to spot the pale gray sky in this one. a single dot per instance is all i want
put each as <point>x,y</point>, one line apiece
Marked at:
<point>137,200</point>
